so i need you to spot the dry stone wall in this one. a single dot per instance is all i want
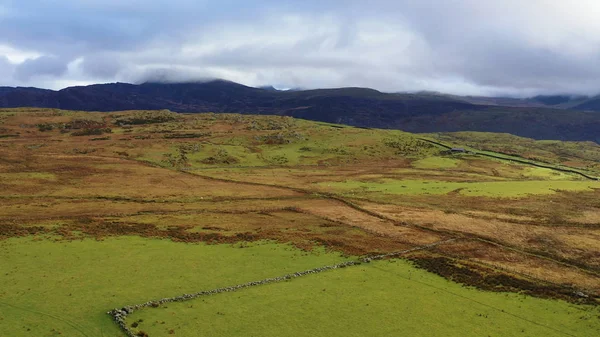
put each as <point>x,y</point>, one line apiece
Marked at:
<point>119,315</point>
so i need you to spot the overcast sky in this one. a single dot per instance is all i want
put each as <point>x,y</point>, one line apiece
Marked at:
<point>478,47</point>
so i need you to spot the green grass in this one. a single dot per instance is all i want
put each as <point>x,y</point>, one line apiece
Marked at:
<point>47,287</point>
<point>582,155</point>
<point>379,299</point>
<point>436,163</point>
<point>488,189</point>
<point>545,173</point>
<point>239,152</point>
<point>302,143</point>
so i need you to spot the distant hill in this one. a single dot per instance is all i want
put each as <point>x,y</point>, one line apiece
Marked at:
<point>417,112</point>
<point>553,100</point>
<point>269,88</point>
<point>501,101</point>
<point>591,104</point>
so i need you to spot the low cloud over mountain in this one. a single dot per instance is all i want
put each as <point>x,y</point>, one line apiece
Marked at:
<point>495,47</point>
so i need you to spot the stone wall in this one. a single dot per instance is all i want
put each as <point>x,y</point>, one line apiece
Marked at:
<point>119,315</point>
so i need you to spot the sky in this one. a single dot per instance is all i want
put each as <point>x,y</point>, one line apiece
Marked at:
<point>466,47</point>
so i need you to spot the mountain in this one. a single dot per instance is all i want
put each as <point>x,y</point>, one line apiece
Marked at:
<point>553,99</point>
<point>269,88</point>
<point>363,107</point>
<point>500,101</point>
<point>591,104</point>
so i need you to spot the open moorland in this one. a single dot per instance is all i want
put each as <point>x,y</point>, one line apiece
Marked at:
<point>493,234</point>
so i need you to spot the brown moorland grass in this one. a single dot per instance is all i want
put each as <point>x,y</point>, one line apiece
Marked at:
<point>340,212</point>
<point>564,242</point>
<point>515,262</point>
<point>84,176</point>
<point>590,217</point>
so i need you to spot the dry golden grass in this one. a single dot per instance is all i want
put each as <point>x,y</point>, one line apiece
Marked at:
<point>512,261</point>
<point>340,212</point>
<point>500,216</point>
<point>88,176</point>
<point>591,217</point>
<point>565,242</point>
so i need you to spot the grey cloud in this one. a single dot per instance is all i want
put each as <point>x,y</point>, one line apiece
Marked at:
<point>41,66</point>
<point>104,66</point>
<point>173,75</point>
<point>6,68</point>
<point>462,46</point>
<point>508,64</point>
<point>299,56</point>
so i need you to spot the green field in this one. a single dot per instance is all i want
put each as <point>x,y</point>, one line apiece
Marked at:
<point>388,298</point>
<point>53,288</point>
<point>488,189</point>
<point>584,156</point>
<point>65,288</point>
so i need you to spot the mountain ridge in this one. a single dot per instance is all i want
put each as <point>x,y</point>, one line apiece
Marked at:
<point>363,107</point>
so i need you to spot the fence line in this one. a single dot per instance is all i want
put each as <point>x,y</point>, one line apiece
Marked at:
<point>517,160</point>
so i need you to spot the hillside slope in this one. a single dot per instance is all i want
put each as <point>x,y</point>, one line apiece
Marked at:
<point>113,209</point>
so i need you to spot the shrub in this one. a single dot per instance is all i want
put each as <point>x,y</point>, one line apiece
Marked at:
<point>177,160</point>
<point>91,132</point>
<point>45,127</point>
<point>191,147</point>
<point>83,151</point>
<point>85,124</point>
<point>279,160</point>
<point>407,145</point>
<point>338,150</point>
<point>147,117</point>
<point>187,135</point>
<point>222,157</point>
<point>271,123</point>
<point>280,138</point>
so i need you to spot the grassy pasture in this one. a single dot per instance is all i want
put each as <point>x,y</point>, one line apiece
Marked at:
<point>388,298</point>
<point>52,288</point>
<point>583,155</point>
